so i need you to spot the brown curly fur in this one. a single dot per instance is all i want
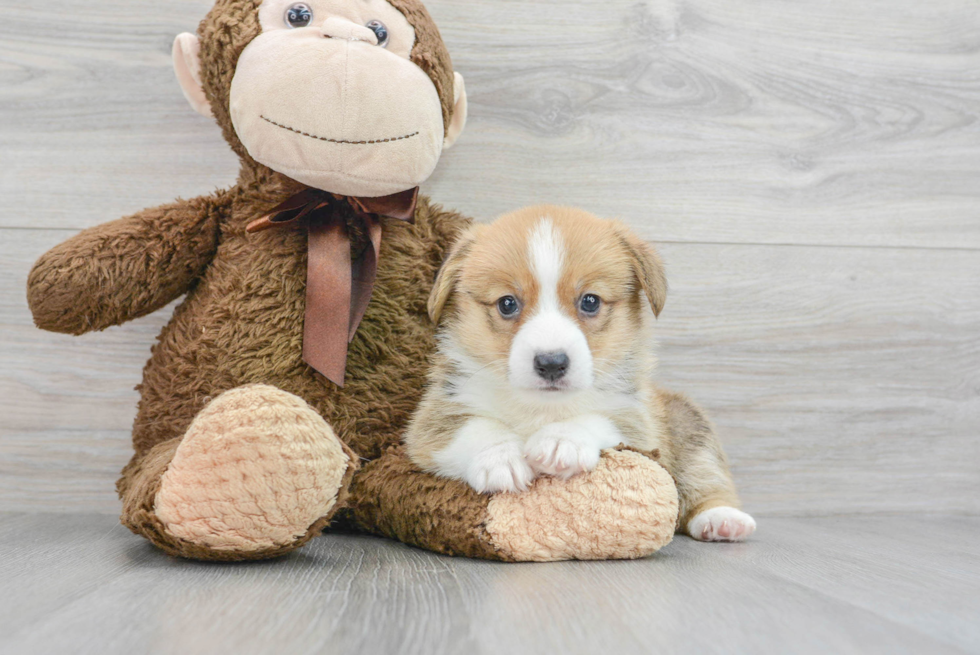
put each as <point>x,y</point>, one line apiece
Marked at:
<point>390,496</point>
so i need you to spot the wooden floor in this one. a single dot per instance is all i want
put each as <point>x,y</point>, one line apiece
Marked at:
<point>84,584</point>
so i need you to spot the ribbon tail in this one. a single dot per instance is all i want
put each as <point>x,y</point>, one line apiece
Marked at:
<point>328,300</point>
<point>283,217</point>
<point>364,270</point>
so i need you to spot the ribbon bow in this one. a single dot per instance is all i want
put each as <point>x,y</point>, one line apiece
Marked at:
<point>338,288</point>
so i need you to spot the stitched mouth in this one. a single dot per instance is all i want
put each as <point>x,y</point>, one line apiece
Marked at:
<point>342,141</point>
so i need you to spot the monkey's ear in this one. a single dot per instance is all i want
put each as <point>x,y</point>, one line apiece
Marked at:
<point>648,267</point>
<point>187,65</point>
<point>448,276</point>
<point>458,121</point>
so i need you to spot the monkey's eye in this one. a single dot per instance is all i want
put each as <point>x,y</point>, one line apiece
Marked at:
<point>299,15</point>
<point>380,31</point>
<point>508,306</point>
<point>590,304</point>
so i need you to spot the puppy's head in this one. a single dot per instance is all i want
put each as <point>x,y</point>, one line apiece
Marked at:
<point>550,298</point>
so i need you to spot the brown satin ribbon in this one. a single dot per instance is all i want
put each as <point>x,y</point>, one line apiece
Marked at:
<point>338,289</point>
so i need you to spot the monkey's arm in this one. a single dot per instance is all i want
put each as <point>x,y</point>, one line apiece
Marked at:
<point>118,271</point>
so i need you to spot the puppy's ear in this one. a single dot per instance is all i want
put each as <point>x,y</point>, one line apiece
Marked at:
<point>647,266</point>
<point>449,274</point>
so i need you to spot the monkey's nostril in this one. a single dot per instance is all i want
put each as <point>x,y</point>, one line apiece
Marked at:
<point>551,366</point>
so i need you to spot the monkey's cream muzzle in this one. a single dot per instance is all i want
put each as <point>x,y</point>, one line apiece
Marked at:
<point>337,114</point>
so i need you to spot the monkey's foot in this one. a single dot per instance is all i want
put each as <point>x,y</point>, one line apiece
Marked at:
<point>257,474</point>
<point>623,509</point>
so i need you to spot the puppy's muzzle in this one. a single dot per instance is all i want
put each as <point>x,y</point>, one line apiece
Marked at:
<point>551,366</point>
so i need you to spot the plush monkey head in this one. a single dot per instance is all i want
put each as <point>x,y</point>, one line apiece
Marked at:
<point>356,97</point>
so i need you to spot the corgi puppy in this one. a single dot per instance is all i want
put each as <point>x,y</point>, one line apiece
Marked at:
<point>545,358</point>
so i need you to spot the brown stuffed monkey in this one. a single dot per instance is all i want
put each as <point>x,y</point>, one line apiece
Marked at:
<point>275,398</point>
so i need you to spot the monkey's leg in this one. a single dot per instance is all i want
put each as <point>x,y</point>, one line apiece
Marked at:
<point>257,474</point>
<point>709,504</point>
<point>626,508</point>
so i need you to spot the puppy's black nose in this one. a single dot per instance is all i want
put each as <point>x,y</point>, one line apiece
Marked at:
<point>551,366</point>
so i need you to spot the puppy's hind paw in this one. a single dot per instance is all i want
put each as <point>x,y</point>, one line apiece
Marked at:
<point>721,524</point>
<point>499,468</point>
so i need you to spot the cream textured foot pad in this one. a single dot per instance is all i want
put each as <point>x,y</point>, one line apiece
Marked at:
<point>255,470</point>
<point>624,509</point>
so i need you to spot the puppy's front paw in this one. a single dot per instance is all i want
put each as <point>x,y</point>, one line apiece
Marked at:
<point>559,450</point>
<point>721,524</point>
<point>499,468</point>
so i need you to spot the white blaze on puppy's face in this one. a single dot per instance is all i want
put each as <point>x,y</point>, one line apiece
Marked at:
<point>547,306</point>
<point>548,331</point>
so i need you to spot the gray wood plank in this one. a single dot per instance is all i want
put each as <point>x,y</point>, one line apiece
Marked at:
<point>707,120</point>
<point>881,563</point>
<point>51,560</point>
<point>95,126</point>
<point>360,594</point>
<point>837,377</point>
<point>829,372</point>
<point>63,470</point>
<point>762,122</point>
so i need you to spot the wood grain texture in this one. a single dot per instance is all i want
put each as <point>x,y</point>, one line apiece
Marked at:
<point>812,171</point>
<point>83,584</point>
<point>750,122</point>
<point>841,378</point>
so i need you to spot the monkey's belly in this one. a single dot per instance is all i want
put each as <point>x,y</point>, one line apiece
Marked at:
<point>243,325</point>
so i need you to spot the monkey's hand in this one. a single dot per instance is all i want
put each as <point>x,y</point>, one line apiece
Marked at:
<point>118,271</point>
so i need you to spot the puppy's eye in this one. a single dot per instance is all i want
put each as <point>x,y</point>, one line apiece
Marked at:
<point>380,31</point>
<point>299,15</point>
<point>508,306</point>
<point>589,304</point>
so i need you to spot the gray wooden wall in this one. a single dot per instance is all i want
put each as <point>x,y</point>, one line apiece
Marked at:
<point>810,170</point>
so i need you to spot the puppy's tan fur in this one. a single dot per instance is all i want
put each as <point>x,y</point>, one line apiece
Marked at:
<point>601,257</point>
